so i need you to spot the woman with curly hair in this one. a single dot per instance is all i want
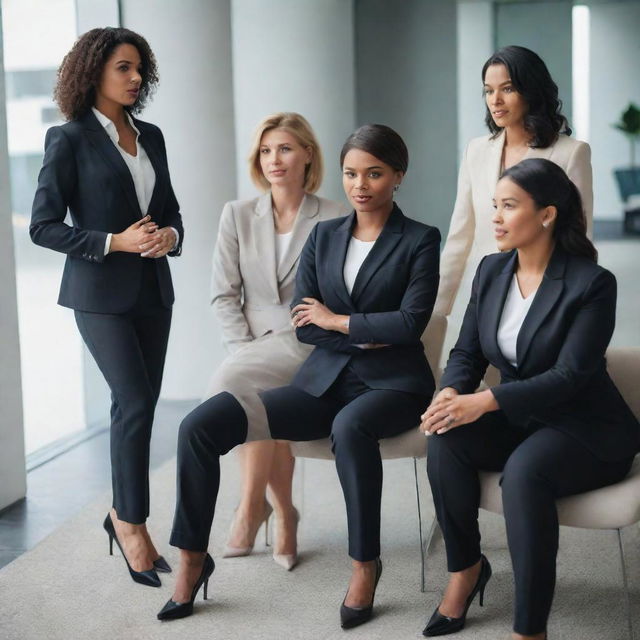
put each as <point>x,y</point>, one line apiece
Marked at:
<point>110,171</point>
<point>524,118</point>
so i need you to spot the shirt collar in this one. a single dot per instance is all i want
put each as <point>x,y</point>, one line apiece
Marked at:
<point>110,128</point>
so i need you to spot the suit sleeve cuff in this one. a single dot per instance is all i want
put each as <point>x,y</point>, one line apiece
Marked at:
<point>177,235</point>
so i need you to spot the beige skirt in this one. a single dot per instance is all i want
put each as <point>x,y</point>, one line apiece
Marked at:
<point>264,363</point>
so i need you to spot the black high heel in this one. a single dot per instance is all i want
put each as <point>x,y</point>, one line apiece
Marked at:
<point>148,578</point>
<point>161,565</point>
<point>174,610</point>
<point>440,625</point>
<point>354,616</point>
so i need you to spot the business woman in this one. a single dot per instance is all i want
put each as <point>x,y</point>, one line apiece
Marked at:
<point>365,288</point>
<point>255,263</point>
<point>524,118</point>
<point>542,312</point>
<point>110,171</point>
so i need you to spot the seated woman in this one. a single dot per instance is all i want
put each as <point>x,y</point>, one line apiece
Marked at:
<point>543,313</point>
<point>365,288</point>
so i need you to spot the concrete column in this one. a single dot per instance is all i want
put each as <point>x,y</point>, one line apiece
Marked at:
<point>475,44</point>
<point>406,78</point>
<point>294,55</point>
<point>194,108</point>
<point>13,481</point>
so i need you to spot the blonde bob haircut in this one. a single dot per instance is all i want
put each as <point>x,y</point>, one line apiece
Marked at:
<point>301,130</point>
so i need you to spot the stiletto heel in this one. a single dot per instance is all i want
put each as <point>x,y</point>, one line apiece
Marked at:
<point>149,578</point>
<point>440,625</point>
<point>236,552</point>
<point>355,616</point>
<point>173,610</point>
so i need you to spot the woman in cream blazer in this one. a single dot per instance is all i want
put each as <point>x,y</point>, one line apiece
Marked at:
<point>523,115</point>
<point>256,258</point>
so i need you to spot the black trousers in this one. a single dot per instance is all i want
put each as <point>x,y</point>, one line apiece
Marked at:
<point>130,349</point>
<point>352,414</point>
<point>538,467</point>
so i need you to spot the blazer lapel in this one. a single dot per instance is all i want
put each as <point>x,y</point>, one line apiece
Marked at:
<point>264,239</point>
<point>337,255</point>
<point>155,157</point>
<point>384,245</point>
<point>305,219</point>
<point>494,161</point>
<point>102,142</point>
<point>545,299</point>
<point>493,304</point>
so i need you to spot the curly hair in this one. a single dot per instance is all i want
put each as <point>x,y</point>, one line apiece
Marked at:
<point>532,80</point>
<point>81,70</point>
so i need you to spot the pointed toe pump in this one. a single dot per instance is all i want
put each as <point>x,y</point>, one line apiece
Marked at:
<point>355,616</point>
<point>147,578</point>
<point>288,560</point>
<point>173,610</point>
<point>440,625</point>
<point>237,552</point>
<point>161,565</point>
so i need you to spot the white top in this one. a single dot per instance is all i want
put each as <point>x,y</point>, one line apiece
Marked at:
<point>140,167</point>
<point>513,314</point>
<point>283,240</point>
<point>357,251</point>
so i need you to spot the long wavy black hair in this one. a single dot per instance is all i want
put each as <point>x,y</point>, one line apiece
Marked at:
<point>549,185</point>
<point>81,70</point>
<point>543,120</point>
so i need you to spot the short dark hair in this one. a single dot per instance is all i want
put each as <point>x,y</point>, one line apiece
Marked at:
<point>380,141</point>
<point>549,185</point>
<point>532,80</point>
<point>81,70</point>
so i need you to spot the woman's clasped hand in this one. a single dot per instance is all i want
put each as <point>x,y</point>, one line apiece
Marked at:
<point>450,409</point>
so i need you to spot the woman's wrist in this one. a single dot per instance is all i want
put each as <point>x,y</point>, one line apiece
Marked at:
<point>340,323</point>
<point>491,404</point>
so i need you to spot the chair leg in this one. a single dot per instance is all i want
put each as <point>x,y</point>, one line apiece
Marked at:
<point>627,602</point>
<point>422,558</point>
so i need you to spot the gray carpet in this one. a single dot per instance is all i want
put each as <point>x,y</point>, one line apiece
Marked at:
<point>68,588</point>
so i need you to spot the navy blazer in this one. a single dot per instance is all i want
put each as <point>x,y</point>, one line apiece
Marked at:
<point>83,172</point>
<point>391,303</point>
<point>561,379</point>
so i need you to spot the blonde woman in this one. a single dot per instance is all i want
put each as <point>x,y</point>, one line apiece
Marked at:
<point>256,259</point>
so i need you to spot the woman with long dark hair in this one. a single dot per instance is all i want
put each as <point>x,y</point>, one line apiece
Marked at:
<point>542,312</point>
<point>110,171</point>
<point>365,288</point>
<point>524,116</point>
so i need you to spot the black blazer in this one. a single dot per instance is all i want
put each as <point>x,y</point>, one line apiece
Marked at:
<point>561,379</point>
<point>391,303</point>
<point>83,171</point>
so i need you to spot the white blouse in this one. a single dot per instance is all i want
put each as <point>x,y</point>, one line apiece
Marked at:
<point>357,251</point>
<point>283,240</point>
<point>513,314</point>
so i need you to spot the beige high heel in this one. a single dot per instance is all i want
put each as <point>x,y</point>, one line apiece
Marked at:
<point>288,560</point>
<point>237,552</point>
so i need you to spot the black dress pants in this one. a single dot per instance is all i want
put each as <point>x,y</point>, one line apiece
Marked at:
<point>130,348</point>
<point>352,414</point>
<point>538,467</point>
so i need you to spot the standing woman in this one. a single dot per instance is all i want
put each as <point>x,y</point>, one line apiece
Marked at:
<point>543,313</point>
<point>365,288</point>
<point>110,171</point>
<point>523,115</point>
<point>255,263</point>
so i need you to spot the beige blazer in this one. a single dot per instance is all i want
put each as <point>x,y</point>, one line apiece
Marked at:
<point>251,297</point>
<point>471,232</point>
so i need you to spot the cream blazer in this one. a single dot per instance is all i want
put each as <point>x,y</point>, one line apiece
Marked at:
<point>251,297</point>
<point>470,235</point>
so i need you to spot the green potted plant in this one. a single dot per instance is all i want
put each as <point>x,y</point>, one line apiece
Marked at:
<point>628,178</point>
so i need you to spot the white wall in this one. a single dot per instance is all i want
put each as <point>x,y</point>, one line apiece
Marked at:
<point>293,55</point>
<point>194,108</point>
<point>12,466</point>
<point>614,82</point>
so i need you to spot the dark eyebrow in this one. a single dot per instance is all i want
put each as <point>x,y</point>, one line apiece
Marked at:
<point>375,166</point>
<point>127,61</point>
<point>509,81</point>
